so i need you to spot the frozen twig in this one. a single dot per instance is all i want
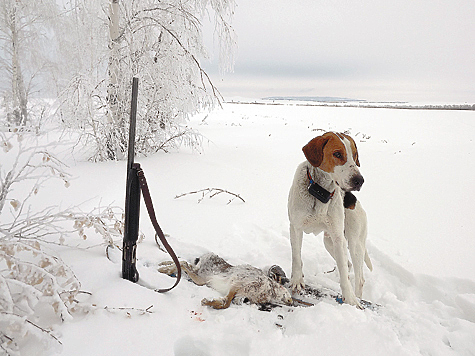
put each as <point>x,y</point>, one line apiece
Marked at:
<point>15,318</point>
<point>212,192</point>
<point>128,311</point>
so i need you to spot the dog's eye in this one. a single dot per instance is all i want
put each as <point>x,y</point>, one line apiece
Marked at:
<point>197,260</point>
<point>338,155</point>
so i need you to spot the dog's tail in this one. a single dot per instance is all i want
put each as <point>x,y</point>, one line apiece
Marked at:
<point>367,260</point>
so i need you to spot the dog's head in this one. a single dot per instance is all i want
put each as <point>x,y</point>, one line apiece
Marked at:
<point>336,153</point>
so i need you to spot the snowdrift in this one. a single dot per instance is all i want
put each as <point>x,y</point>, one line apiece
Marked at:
<point>418,167</point>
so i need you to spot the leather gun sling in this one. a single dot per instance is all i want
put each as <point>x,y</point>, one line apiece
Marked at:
<point>151,213</point>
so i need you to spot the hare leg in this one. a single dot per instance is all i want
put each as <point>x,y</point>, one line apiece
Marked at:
<point>220,303</point>
<point>169,268</point>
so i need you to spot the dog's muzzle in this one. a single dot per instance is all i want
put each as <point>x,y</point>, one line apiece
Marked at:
<point>356,182</point>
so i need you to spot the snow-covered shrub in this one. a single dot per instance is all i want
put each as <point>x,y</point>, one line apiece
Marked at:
<point>36,287</point>
<point>36,290</point>
<point>108,222</point>
<point>25,166</point>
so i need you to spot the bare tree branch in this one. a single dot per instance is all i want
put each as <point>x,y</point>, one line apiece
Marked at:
<point>212,192</point>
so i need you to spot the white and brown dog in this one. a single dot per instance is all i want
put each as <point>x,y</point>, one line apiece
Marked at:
<point>320,200</point>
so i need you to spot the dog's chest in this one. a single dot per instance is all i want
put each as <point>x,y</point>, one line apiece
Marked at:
<point>315,223</point>
<point>320,216</point>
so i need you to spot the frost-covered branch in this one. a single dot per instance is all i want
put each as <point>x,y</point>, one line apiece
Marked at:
<point>108,222</point>
<point>193,58</point>
<point>25,52</point>
<point>28,165</point>
<point>129,311</point>
<point>31,278</point>
<point>37,288</point>
<point>212,192</point>
<point>17,324</point>
<point>161,43</point>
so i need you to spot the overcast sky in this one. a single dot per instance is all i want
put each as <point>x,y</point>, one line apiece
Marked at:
<point>403,50</point>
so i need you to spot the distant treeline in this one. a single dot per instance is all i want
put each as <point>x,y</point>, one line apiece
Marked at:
<point>367,105</point>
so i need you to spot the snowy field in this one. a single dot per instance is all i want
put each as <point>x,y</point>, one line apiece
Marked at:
<point>418,167</point>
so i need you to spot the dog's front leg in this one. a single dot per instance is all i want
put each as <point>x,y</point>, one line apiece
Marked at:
<point>296,280</point>
<point>341,257</point>
<point>357,253</point>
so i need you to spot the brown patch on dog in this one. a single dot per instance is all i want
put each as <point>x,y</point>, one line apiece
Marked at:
<point>313,150</point>
<point>349,201</point>
<point>326,152</point>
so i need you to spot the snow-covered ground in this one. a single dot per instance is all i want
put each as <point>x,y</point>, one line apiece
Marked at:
<point>418,167</point>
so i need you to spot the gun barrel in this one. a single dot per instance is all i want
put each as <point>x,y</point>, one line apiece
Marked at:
<point>133,120</point>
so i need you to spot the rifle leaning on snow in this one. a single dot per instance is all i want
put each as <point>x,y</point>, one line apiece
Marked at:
<point>136,182</point>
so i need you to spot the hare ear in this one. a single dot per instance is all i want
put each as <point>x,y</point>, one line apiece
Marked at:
<point>313,150</point>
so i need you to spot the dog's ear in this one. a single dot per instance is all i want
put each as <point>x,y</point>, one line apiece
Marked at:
<point>354,149</point>
<point>356,157</point>
<point>313,150</point>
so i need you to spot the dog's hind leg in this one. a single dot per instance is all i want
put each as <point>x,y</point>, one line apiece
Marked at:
<point>220,303</point>
<point>367,260</point>
<point>328,242</point>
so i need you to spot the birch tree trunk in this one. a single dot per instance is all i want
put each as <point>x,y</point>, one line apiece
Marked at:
<point>19,97</point>
<point>113,99</point>
<point>113,69</point>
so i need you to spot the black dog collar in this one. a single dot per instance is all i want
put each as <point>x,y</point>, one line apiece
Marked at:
<point>317,191</point>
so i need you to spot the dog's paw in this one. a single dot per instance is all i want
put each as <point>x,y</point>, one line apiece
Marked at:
<point>351,299</point>
<point>297,285</point>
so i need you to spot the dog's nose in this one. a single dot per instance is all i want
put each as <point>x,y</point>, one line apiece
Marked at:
<point>357,181</point>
